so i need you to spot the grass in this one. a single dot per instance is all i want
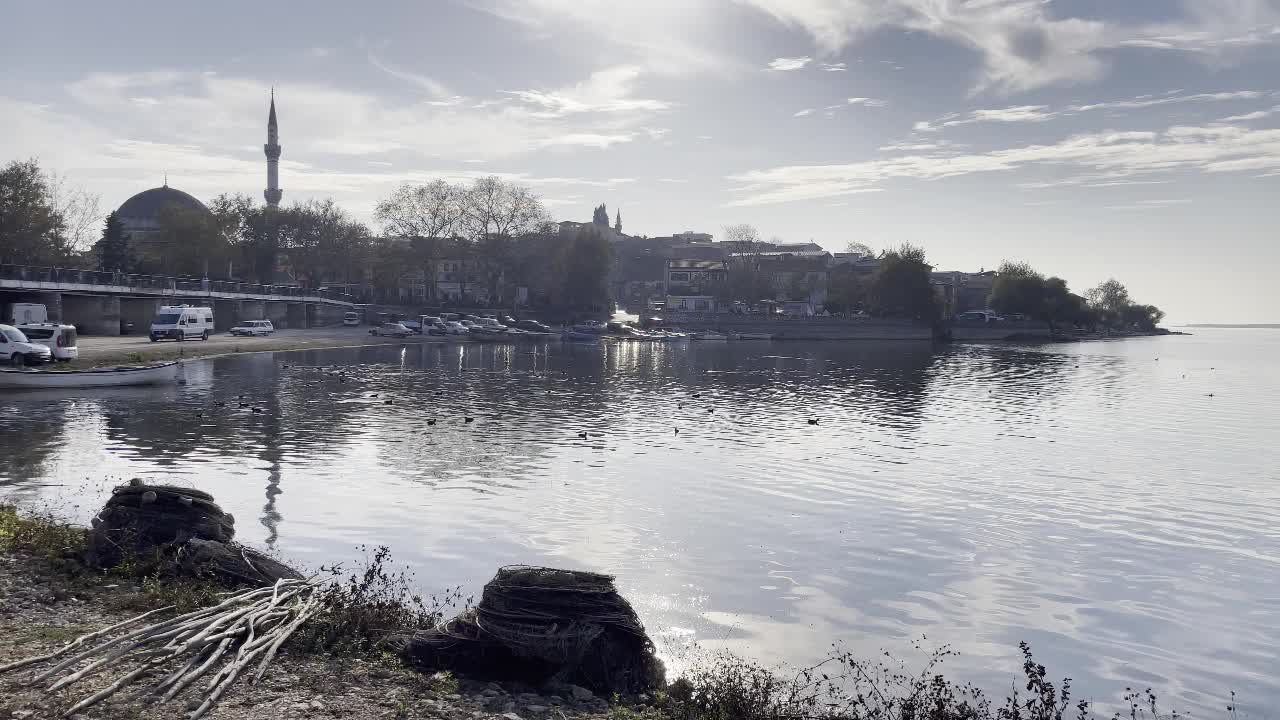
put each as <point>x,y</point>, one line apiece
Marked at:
<point>41,534</point>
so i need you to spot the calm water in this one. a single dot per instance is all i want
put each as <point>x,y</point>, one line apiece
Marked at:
<point>1092,499</point>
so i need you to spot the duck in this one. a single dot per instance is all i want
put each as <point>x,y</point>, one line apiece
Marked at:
<point>813,421</point>
<point>388,401</point>
<point>257,409</point>
<point>583,434</point>
<point>677,431</point>
<point>468,420</point>
<point>432,421</point>
<point>244,404</point>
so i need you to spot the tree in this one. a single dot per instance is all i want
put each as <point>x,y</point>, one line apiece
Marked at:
<point>846,291</point>
<point>429,215</point>
<point>902,285</point>
<point>856,248</point>
<point>587,262</point>
<point>494,213</point>
<point>744,277</point>
<point>600,216</point>
<point>1018,289</point>
<point>113,249</point>
<point>1110,296</point>
<point>1115,308</point>
<point>42,221</point>
<point>189,243</point>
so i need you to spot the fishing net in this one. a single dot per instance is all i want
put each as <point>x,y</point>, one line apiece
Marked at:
<point>542,625</point>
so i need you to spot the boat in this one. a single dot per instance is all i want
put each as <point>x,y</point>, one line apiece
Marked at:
<point>575,336</point>
<point>123,375</point>
<point>706,336</point>
<point>753,336</point>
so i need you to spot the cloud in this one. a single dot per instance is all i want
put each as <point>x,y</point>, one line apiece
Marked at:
<point>804,112</point>
<point>605,91</point>
<point>1099,156</point>
<point>785,64</point>
<point>1255,115</point>
<point>1150,204</point>
<point>433,87</point>
<point>869,102</point>
<point>673,180</point>
<point>1041,113</point>
<point>1028,44</point>
<point>833,67</point>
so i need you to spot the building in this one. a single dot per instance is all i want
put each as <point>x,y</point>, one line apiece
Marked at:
<point>961,291</point>
<point>692,285</point>
<point>689,237</point>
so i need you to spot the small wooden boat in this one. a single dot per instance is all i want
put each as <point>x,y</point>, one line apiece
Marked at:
<point>575,336</point>
<point>158,374</point>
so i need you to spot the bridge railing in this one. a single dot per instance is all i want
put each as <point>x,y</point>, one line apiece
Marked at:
<point>158,283</point>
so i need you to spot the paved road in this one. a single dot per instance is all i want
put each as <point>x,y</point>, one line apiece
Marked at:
<point>95,349</point>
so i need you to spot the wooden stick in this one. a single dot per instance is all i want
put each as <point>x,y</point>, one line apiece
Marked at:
<point>80,641</point>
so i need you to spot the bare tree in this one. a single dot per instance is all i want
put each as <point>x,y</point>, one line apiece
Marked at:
<point>856,248</point>
<point>78,213</point>
<point>429,216</point>
<point>494,213</point>
<point>744,279</point>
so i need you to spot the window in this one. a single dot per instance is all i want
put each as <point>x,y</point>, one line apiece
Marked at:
<point>38,334</point>
<point>679,277</point>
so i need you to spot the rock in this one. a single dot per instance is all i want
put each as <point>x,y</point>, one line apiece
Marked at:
<point>316,705</point>
<point>194,703</point>
<point>536,709</point>
<point>21,714</point>
<point>149,497</point>
<point>511,716</point>
<point>580,694</point>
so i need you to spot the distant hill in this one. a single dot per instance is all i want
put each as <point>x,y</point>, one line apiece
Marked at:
<point>1251,326</point>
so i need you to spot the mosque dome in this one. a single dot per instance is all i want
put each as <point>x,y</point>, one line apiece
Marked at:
<point>142,211</point>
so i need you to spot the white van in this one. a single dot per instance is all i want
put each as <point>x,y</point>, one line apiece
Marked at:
<point>182,322</point>
<point>60,339</point>
<point>351,319</point>
<point>25,313</point>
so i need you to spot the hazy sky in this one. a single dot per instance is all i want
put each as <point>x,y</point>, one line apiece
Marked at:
<point>1131,138</point>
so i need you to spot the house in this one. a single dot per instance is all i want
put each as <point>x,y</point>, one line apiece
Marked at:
<point>692,285</point>
<point>962,291</point>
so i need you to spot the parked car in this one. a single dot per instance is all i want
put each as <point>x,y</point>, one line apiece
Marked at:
<point>16,350</point>
<point>532,326</point>
<point>507,320</point>
<point>414,326</point>
<point>391,329</point>
<point>351,319</point>
<point>59,338</point>
<point>251,328</point>
<point>453,327</point>
<point>981,316</point>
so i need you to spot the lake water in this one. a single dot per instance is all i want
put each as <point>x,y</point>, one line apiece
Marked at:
<point>1116,504</point>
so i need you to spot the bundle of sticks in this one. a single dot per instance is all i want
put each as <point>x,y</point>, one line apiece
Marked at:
<point>244,628</point>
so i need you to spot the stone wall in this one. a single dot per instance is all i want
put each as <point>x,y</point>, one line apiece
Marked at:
<point>981,332</point>
<point>278,314</point>
<point>91,314</point>
<point>140,312</point>
<point>808,328</point>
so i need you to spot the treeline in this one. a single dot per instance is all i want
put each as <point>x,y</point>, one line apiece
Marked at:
<point>494,235</point>
<point>1019,289</point>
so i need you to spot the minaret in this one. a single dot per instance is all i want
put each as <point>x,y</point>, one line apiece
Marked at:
<point>272,150</point>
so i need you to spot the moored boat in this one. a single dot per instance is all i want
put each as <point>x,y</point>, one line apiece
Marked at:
<point>753,336</point>
<point>98,377</point>
<point>577,336</point>
<point>710,336</point>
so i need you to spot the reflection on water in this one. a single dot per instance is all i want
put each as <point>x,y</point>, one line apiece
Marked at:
<point>1090,499</point>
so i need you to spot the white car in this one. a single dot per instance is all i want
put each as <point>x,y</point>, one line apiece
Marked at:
<point>16,350</point>
<point>60,339</point>
<point>351,319</point>
<point>391,329</point>
<point>250,328</point>
<point>453,327</point>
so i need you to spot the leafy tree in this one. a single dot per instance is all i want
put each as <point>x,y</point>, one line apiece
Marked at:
<point>902,286</point>
<point>113,249</point>
<point>846,290</point>
<point>42,221</point>
<point>600,216</point>
<point>1018,289</point>
<point>587,262</point>
<point>188,243</point>
<point>1109,297</point>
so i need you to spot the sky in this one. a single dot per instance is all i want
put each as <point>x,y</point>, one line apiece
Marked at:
<point>1135,139</point>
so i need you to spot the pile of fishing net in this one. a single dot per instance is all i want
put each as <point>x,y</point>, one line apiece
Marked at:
<point>545,625</point>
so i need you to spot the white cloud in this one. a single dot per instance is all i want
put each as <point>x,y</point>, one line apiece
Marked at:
<point>785,64</point>
<point>1041,113</point>
<point>607,91</point>
<point>1150,204</point>
<point>1255,115</point>
<point>869,102</point>
<point>804,112</point>
<point>833,67</point>
<point>432,86</point>
<point>1100,156</point>
<point>673,180</point>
